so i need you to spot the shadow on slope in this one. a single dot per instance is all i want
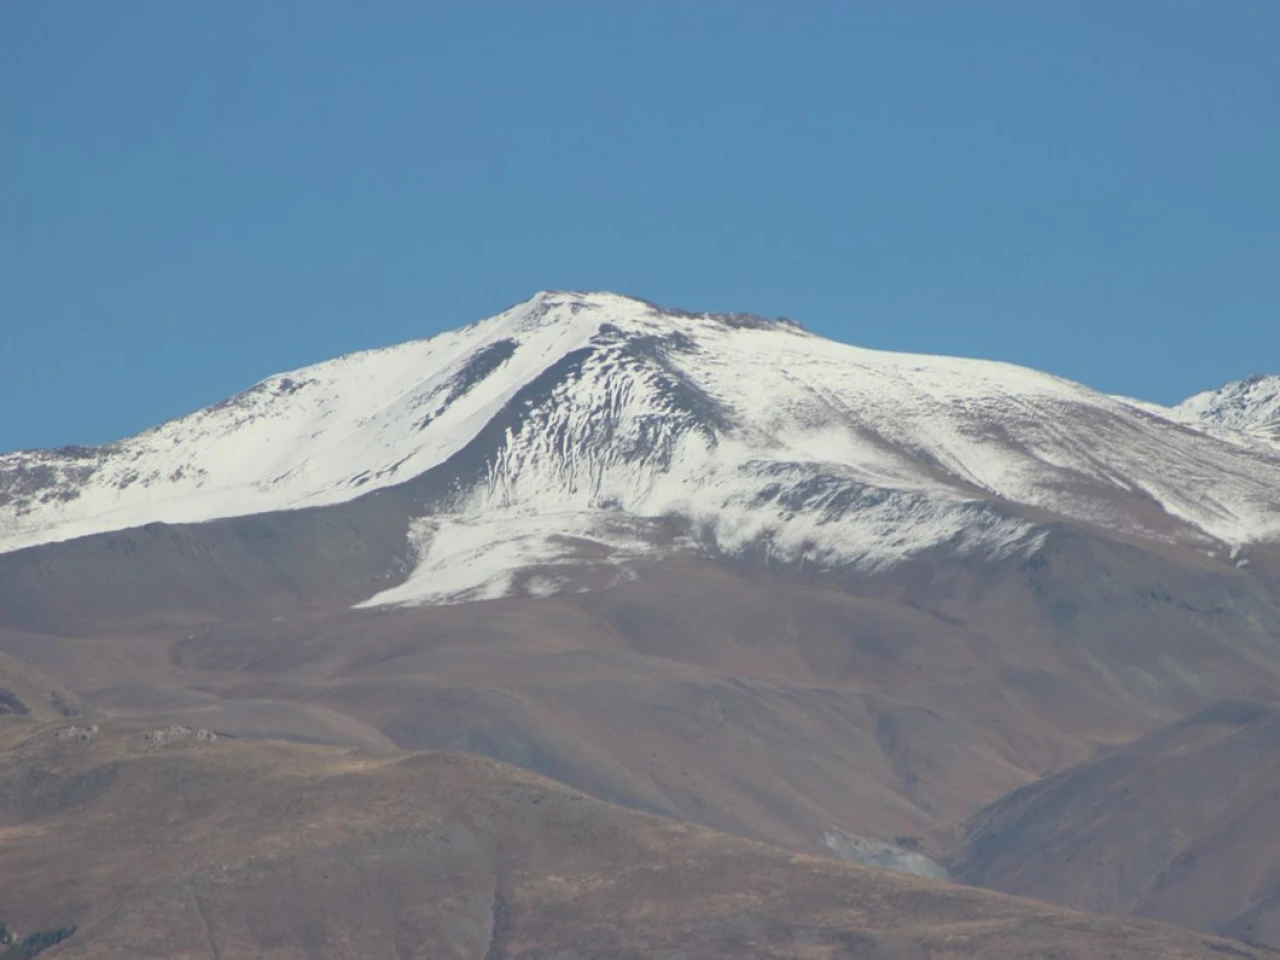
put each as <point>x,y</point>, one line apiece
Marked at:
<point>1182,825</point>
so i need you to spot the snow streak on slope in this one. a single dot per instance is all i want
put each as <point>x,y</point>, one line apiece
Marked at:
<point>577,433</point>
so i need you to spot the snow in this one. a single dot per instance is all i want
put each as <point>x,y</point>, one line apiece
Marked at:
<point>487,557</point>
<point>619,419</point>
<point>322,434</point>
<point>1249,409</point>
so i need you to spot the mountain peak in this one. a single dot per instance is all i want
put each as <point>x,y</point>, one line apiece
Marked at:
<point>1251,405</point>
<point>579,425</point>
<point>556,306</point>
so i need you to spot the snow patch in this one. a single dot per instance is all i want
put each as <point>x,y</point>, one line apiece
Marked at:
<point>466,558</point>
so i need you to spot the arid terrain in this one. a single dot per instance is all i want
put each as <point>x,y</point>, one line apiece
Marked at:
<point>739,699</point>
<point>1182,826</point>
<point>748,701</point>
<point>165,843</point>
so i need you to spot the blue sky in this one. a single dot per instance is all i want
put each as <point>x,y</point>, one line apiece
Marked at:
<point>196,195</point>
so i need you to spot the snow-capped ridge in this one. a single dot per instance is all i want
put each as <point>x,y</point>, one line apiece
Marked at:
<point>1251,405</point>
<point>575,431</point>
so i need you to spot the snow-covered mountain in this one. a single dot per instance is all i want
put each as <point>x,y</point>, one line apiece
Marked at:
<point>576,432</point>
<point>1251,406</point>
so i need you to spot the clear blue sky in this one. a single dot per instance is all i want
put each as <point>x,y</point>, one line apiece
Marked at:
<point>196,195</point>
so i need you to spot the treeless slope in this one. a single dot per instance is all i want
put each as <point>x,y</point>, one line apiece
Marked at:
<point>768,703</point>
<point>29,698</point>
<point>178,847</point>
<point>1183,825</point>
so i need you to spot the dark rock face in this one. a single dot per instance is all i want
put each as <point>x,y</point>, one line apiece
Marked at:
<point>47,476</point>
<point>482,364</point>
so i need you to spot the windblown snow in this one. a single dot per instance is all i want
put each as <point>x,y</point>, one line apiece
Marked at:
<point>1250,406</point>
<point>578,433</point>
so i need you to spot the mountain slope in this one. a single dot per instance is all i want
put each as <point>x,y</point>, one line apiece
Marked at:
<point>27,698</point>
<point>1181,825</point>
<point>729,572</point>
<point>576,433</point>
<point>775,705</point>
<point>164,844</point>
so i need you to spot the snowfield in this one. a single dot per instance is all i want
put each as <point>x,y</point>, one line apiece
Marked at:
<point>584,431</point>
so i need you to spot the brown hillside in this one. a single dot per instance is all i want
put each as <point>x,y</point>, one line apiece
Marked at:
<point>766,704</point>
<point>173,846</point>
<point>1183,825</point>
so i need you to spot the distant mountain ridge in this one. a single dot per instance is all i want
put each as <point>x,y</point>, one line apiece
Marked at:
<point>577,432</point>
<point>1251,405</point>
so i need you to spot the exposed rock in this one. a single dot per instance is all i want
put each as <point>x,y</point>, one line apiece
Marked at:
<point>75,732</point>
<point>877,853</point>
<point>175,733</point>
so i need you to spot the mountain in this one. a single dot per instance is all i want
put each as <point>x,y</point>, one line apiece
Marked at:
<point>1181,825</point>
<point>172,843</point>
<point>555,444</point>
<point>710,567</point>
<point>1251,406</point>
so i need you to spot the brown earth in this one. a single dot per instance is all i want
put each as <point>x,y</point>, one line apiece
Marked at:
<point>1183,825</point>
<point>178,847</point>
<point>29,698</point>
<point>770,703</point>
<point>757,702</point>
